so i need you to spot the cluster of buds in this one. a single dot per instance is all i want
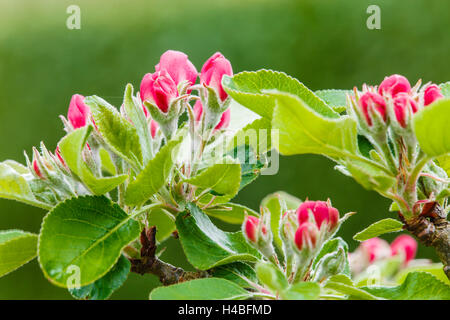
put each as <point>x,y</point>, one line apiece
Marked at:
<point>166,93</point>
<point>303,231</point>
<point>393,102</point>
<point>376,250</point>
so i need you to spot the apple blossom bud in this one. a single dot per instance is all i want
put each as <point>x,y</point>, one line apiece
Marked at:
<point>402,104</point>
<point>393,85</point>
<point>159,88</point>
<point>405,245</point>
<point>322,211</point>
<point>36,169</point>
<point>306,236</point>
<point>251,225</point>
<point>213,71</point>
<point>59,156</point>
<point>375,101</point>
<point>153,128</point>
<point>224,121</point>
<point>375,249</point>
<point>431,94</point>
<point>178,66</point>
<point>79,112</point>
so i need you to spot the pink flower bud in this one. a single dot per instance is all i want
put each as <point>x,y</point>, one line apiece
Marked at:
<point>375,249</point>
<point>224,119</point>
<point>406,245</point>
<point>79,112</point>
<point>431,94</point>
<point>178,66</point>
<point>322,211</point>
<point>306,235</point>
<point>375,101</point>
<point>393,85</point>
<point>159,88</point>
<point>251,225</point>
<point>153,128</point>
<point>213,71</point>
<point>403,102</point>
<point>36,169</point>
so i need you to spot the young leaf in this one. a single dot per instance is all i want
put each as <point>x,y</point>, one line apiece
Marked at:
<point>230,212</point>
<point>13,186</point>
<point>201,289</point>
<point>71,147</point>
<point>247,88</point>
<point>343,284</point>
<point>302,291</point>
<point>271,276</point>
<point>163,221</point>
<point>154,176</point>
<point>137,116</point>
<point>275,205</point>
<point>256,134</point>
<point>303,130</point>
<point>431,128</point>
<point>335,98</point>
<point>106,285</point>
<point>120,134</point>
<point>330,246</point>
<point>292,202</point>
<point>16,249</point>
<point>85,234</point>
<point>206,246</point>
<point>436,269</point>
<point>222,178</point>
<point>237,272</point>
<point>250,164</point>
<point>378,228</point>
<point>417,286</point>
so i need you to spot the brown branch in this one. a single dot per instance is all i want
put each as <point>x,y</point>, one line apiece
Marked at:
<point>432,229</point>
<point>149,262</point>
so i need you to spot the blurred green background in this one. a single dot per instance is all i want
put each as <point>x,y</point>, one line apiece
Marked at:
<point>324,43</point>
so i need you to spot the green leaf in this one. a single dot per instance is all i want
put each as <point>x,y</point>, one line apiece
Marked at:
<point>231,212</point>
<point>302,291</point>
<point>206,246</point>
<point>271,276</point>
<point>107,163</point>
<point>250,164</point>
<point>330,246</point>
<point>137,116</point>
<point>335,98</point>
<point>276,206</point>
<point>154,176</point>
<point>88,233</point>
<point>431,127</point>
<point>104,287</point>
<point>302,130</point>
<point>237,272</point>
<point>256,134</point>
<point>292,202</point>
<point>378,228</point>
<point>343,284</point>
<point>71,147</point>
<point>222,178</point>
<point>248,89</point>
<point>444,163</point>
<point>16,249</point>
<point>417,286</point>
<point>118,132</point>
<point>201,289</point>
<point>14,187</point>
<point>436,269</point>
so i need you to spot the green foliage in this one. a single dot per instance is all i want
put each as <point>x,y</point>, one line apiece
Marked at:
<point>106,285</point>
<point>230,212</point>
<point>86,233</point>
<point>206,246</point>
<point>249,89</point>
<point>271,276</point>
<point>201,289</point>
<point>431,128</point>
<point>336,99</point>
<point>344,285</point>
<point>436,269</point>
<point>16,248</point>
<point>302,291</point>
<point>250,164</point>
<point>120,134</point>
<point>417,286</point>
<point>378,228</point>
<point>238,272</point>
<point>164,222</point>
<point>154,175</point>
<point>329,247</point>
<point>71,147</point>
<point>14,186</point>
